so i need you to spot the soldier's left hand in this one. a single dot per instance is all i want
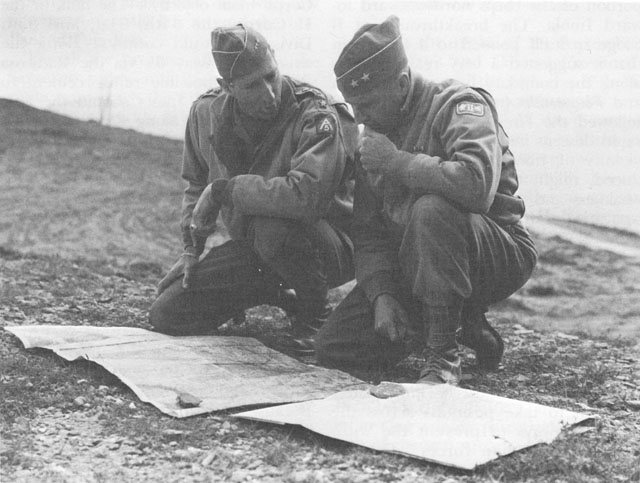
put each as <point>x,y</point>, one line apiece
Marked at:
<point>204,216</point>
<point>378,154</point>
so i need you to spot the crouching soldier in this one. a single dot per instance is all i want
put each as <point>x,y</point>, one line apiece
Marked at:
<point>437,229</point>
<point>273,156</point>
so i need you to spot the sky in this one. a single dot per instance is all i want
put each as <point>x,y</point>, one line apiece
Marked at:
<point>565,75</point>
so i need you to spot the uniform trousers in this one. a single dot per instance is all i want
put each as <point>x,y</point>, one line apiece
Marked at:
<point>444,254</point>
<point>239,274</point>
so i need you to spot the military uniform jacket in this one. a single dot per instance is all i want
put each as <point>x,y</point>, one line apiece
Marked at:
<point>302,169</point>
<point>451,145</point>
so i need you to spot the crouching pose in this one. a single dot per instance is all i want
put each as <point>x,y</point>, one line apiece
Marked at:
<point>273,156</point>
<point>437,229</point>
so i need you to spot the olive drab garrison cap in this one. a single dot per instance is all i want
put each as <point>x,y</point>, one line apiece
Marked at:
<point>239,51</point>
<point>374,55</point>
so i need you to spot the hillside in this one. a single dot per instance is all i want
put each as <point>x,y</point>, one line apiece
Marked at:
<point>78,188</point>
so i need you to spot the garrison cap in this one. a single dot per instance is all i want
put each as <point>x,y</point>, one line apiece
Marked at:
<point>239,51</point>
<point>374,55</point>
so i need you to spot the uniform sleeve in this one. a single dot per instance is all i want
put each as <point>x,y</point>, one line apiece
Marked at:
<point>376,255</point>
<point>470,172</point>
<point>195,172</point>
<point>316,167</point>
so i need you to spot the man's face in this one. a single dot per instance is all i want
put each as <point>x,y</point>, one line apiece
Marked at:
<point>259,95</point>
<point>379,109</point>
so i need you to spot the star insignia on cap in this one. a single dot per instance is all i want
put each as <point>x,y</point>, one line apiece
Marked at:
<point>365,77</point>
<point>354,83</point>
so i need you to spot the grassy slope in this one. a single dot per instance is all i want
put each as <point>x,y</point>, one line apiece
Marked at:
<point>104,197</point>
<point>77,188</point>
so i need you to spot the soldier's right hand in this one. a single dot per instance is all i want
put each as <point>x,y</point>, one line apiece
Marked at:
<point>185,265</point>
<point>390,318</point>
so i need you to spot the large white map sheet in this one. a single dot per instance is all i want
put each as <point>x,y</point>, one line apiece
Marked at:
<point>221,372</point>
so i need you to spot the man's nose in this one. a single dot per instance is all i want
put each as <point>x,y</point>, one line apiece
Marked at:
<point>268,90</point>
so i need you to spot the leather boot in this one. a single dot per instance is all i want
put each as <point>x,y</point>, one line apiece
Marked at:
<point>478,335</point>
<point>307,319</point>
<point>442,354</point>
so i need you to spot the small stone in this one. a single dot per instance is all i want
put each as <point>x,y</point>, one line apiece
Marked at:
<point>186,400</point>
<point>385,390</point>
<point>562,335</point>
<point>79,401</point>
<point>173,434</point>
<point>300,476</point>
<point>360,478</point>
<point>182,453</point>
<point>239,475</point>
<point>208,459</point>
<point>254,464</point>
<point>634,404</point>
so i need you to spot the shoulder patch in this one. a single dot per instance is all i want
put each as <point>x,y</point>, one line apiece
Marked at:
<point>471,108</point>
<point>324,125</point>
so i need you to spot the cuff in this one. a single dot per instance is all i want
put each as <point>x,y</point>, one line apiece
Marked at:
<point>381,282</point>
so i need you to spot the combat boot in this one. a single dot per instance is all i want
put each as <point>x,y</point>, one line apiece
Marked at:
<point>443,366</point>
<point>477,334</point>
<point>443,358</point>
<point>307,319</point>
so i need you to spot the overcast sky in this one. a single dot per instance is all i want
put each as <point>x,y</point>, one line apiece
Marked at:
<point>565,75</point>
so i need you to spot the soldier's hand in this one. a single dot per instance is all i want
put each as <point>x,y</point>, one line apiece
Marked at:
<point>204,216</point>
<point>189,260</point>
<point>390,318</point>
<point>205,213</point>
<point>378,154</point>
<point>185,265</point>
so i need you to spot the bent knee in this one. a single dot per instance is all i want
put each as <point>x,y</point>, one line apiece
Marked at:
<point>164,315</point>
<point>161,315</point>
<point>274,238</point>
<point>432,209</point>
<point>432,203</point>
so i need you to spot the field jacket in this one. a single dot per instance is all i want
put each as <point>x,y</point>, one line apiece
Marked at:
<point>452,145</point>
<point>302,169</point>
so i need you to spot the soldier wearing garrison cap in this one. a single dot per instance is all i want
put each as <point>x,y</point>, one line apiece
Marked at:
<point>273,157</point>
<point>438,229</point>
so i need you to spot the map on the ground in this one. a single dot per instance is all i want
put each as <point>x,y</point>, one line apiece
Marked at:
<point>185,376</point>
<point>443,424</point>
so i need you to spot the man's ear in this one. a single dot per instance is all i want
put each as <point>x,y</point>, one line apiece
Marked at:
<point>224,84</point>
<point>404,81</point>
